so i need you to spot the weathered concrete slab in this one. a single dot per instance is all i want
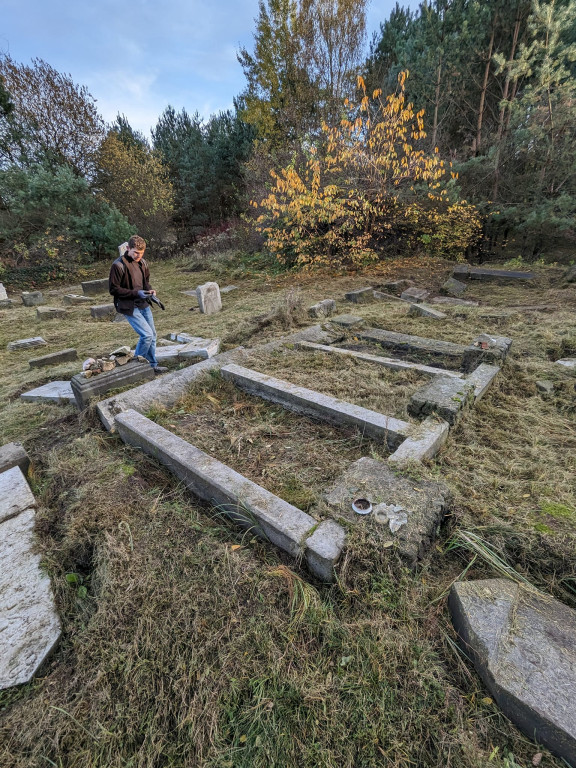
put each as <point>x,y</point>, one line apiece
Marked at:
<point>102,311</point>
<point>36,341</point>
<point>416,295</point>
<point>133,372</point>
<point>490,275</point>
<point>32,298</point>
<point>426,503</point>
<point>523,647</point>
<point>423,442</point>
<point>209,299</point>
<point>29,624</point>
<point>14,455</point>
<point>95,287</point>
<point>347,321</point>
<point>423,310</point>
<point>397,287</point>
<point>486,349</point>
<point>183,338</point>
<point>168,354</point>
<point>325,308</point>
<point>452,355</point>
<point>50,313</point>
<point>444,396</point>
<point>53,392</point>
<point>15,494</point>
<point>482,378</point>
<point>55,358</point>
<point>386,362</point>
<point>200,348</point>
<point>246,503</point>
<point>453,287</point>
<point>360,296</point>
<point>73,299</point>
<point>318,406</point>
<point>452,301</point>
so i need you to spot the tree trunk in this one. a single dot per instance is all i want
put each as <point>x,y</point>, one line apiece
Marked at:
<point>483,92</point>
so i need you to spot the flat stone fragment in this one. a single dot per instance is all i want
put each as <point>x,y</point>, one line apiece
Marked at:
<point>453,287</point>
<point>523,646</point>
<point>567,362</point>
<point>102,311</point>
<point>324,308</point>
<point>383,296</point>
<point>168,354</point>
<point>248,504</point>
<point>443,396</point>
<point>53,392</point>
<point>481,379</point>
<point>415,295</point>
<point>15,494</point>
<point>423,442</point>
<point>426,503</point>
<point>73,299</point>
<point>201,348</point>
<point>228,288</point>
<point>546,387</point>
<point>486,349</point>
<point>347,321</point>
<point>133,372</point>
<point>95,287</point>
<point>490,275</point>
<point>37,341</point>
<point>32,298</point>
<point>3,294</point>
<point>14,455</point>
<point>451,301</point>
<point>318,406</point>
<point>397,287</point>
<point>50,313</point>
<point>54,358</point>
<point>29,624</point>
<point>423,310</point>
<point>209,300</point>
<point>432,349</point>
<point>361,296</point>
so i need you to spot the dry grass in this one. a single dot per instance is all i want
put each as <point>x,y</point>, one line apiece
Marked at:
<point>186,644</point>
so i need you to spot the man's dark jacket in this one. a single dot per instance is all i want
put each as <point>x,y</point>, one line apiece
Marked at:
<point>127,277</point>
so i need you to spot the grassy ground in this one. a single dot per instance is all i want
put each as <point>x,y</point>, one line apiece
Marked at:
<point>188,644</point>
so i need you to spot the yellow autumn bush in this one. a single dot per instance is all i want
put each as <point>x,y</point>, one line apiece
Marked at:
<point>369,192</point>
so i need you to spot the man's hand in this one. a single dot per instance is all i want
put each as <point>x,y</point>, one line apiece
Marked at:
<point>145,294</point>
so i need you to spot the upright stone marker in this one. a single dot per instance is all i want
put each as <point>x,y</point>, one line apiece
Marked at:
<point>95,287</point>
<point>32,298</point>
<point>3,294</point>
<point>361,296</point>
<point>102,311</point>
<point>209,300</point>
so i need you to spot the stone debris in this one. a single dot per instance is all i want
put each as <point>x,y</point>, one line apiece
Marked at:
<point>486,349</point>
<point>73,299</point>
<point>567,362</point>
<point>53,392</point>
<point>423,310</point>
<point>102,311</point>
<point>397,287</point>
<point>453,287</point>
<point>443,396</point>
<point>36,341</point>
<point>50,313</point>
<point>545,386</point>
<point>209,299</point>
<point>523,646</point>
<point>416,295</point>
<point>55,358</point>
<point>14,455</point>
<point>361,296</point>
<point>95,287</point>
<point>325,308</point>
<point>32,298</point>
<point>393,514</point>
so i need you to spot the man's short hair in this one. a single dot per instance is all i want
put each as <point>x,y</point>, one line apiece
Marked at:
<point>137,242</point>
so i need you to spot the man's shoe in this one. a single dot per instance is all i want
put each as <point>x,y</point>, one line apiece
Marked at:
<point>160,369</point>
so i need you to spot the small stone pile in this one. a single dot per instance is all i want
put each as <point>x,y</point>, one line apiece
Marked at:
<point>121,356</point>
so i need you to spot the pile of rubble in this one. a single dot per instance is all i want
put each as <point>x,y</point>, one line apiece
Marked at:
<point>121,356</point>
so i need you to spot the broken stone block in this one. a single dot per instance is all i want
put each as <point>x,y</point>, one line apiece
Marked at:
<point>361,296</point>
<point>567,362</point>
<point>422,310</point>
<point>102,311</point>
<point>324,308</point>
<point>451,301</point>
<point>425,502</point>
<point>14,455</point>
<point>202,348</point>
<point>53,392</point>
<point>347,321</point>
<point>522,645</point>
<point>545,387</point>
<point>209,300</point>
<point>55,358</point>
<point>453,287</point>
<point>486,349</point>
<point>444,396</point>
<point>481,379</point>
<point>73,299</point>
<point>397,287</point>
<point>323,549</point>
<point>86,388</point>
<point>415,295</point>
<point>95,287</point>
<point>50,313</point>
<point>36,341</point>
<point>423,442</point>
<point>32,298</point>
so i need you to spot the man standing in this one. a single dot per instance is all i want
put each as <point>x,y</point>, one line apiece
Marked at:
<point>129,284</point>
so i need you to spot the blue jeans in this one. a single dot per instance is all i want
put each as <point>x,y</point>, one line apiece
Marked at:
<point>143,323</point>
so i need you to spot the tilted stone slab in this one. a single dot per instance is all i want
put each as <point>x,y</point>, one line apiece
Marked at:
<point>73,299</point>
<point>246,503</point>
<point>453,287</point>
<point>347,321</point>
<point>14,455</point>
<point>486,349</point>
<point>102,311</point>
<point>55,358</point>
<point>32,298</point>
<point>451,354</point>
<point>200,348</point>
<point>425,502</point>
<point>386,362</point>
<point>415,294</point>
<point>397,286</point>
<point>325,308</point>
<point>444,396</point>
<point>361,296</point>
<point>15,494</point>
<point>423,442</point>
<point>490,275</point>
<point>523,645</point>
<point>481,379</point>
<point>317,406</point>
<point>133,372</point>
<point>383,296</point>
<point>228,289</point>
<point>209,299</point>
<point>423,310</point>
<point>95,287</point>
<point>53,392</point>
<point>50,313</point>
<point>36,341</point>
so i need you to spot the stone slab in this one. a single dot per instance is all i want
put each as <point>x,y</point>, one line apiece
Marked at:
<point>523,646</point>
<point>318,406</point>
<point>73,299</point>
<point>567,362</point>
<point>243,501</point>
<point>119,318</point>
<point>95,287</point>
<point>325,308</point>
<point>423,442</point>
<point>32,298</point>
<point>3,294</point>
<point>360,296</point>
<point>168,354</point>
<point>545,386</point>
<point>29,624</point>
<point>383,296</point>
<point>432,349</point>
<point>133,372</point>
<point>53,392</point>
<point>55,358</point>
<point>200,348</point>
<point>490,275</point>
<point>50,313</point>
<point>102,311</point>
<point>347,321</point>
<point>6,304</point>
<point>453,287</point>
<point>486,349</point>
<point>443,396</point>
<point>14,455</point>
<point>481,379</point>
<point>452,301</point>
<point>386,362</point>
<point>414,294</point>
<point>228,289</point>
<point>183,338</point>
<point>426,503</point>
<point>423,310</point>
<point>36,341</point>
<point>397,287</point>
<point>15,494</point>
<point>209,299</point>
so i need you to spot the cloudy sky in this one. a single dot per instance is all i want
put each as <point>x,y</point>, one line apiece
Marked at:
<point>138,56</point>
